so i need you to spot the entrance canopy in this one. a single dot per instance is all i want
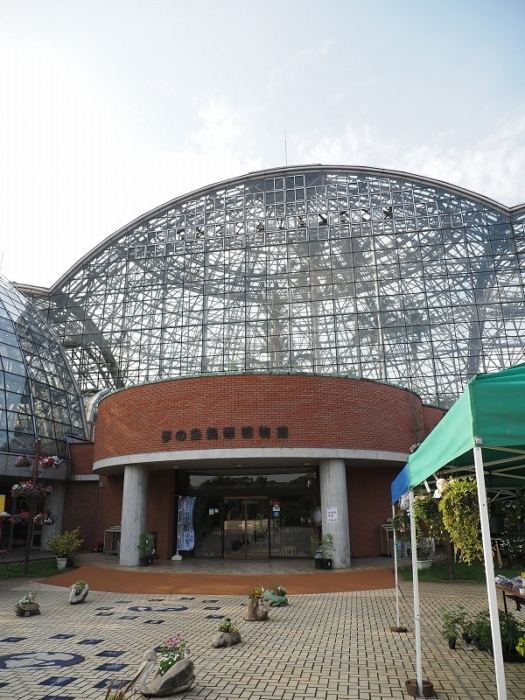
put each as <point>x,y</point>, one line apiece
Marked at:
<point>490,414</point>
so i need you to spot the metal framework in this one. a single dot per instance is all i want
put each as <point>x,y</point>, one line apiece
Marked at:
<point>38,394</point>
<point>323,270</point>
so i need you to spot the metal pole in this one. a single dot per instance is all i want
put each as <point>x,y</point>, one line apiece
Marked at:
<point>395,570</point>
<point>177,556</point>
<point>32,508</point>
<point>489,575</point>
<point>415,584</point>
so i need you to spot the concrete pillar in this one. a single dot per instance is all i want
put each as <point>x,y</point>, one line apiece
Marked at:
<point>332,474</point>
<point>134,512</point>
<point>54,503</point>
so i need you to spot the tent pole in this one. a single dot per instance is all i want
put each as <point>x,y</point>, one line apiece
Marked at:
<point>415,585</point>
<point>395,570</point>
<point>489,574</point>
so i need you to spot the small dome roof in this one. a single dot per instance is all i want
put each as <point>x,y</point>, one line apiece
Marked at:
<point>38,394</point>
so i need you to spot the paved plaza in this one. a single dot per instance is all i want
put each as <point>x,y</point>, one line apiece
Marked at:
<point>335,646</point>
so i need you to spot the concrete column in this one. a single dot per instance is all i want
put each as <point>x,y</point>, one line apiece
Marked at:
<point>332,474</point>
<point>134,512</point>
<point>54,503</point>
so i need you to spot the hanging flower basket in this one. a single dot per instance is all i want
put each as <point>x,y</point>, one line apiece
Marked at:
<point>22,517</point>
<point>50,462</point>
<point>23,461</point>
<point>25,489</point>
<point>44,518</point>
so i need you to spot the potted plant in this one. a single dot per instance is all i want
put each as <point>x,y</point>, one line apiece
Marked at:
<point>172,673</point>
<point>317,550</point>
<point>451,621</point>
<point>254,610</point>
<point>424,547</point>
<point>327,545</point>
<point>276,596</point>
<point>145,548</point>
<point>28,606</point>
<point>64,545</point>
<point>78,592</point>
<point>228,634</point>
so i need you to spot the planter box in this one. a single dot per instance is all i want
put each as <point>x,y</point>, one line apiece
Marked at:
<point>424,563</point>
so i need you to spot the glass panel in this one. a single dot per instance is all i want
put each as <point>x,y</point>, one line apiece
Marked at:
<point>207,520</point>
<point>291,525</point>
<point>234,528</point>
<point>256,531</point>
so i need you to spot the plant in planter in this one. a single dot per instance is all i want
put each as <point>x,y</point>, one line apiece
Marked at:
<point>28,606</point>
<point>424,548</point>
<point>317,550</point>
<point>145,548</point>
<point>254,610</point>
<point>78,592</point>
<point>64,545</point>
<point>276,596</point>
<point>327,545</point>
<point>401,525</point>
<point>510,629</point>
<point>172,673</point>
<point>228,634</point>
<point>450,627</point>
<point>460,510</point>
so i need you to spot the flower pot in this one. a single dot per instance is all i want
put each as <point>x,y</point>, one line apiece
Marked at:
<point>318,563</point>
<point>452,643</point>
<point>326,564</point>
<point>143,561</point>
<point>254,611</point>
<point>75,598</point>
<point>428,688</point>
<point>226,639</point>
<point>424,563</point>
<point>61,562</point>
<point>27,609</point>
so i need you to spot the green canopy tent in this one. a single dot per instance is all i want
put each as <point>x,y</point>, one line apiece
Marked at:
<point>483,434</point>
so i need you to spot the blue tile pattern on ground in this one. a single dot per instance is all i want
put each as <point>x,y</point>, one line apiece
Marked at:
<point>58,680</point>
<point>154,622</point>
<point>107,682</point>
<point>111,608</point>
<point>62,636</point>
<point>218,608</point>
<point>128,617</point>
<point>90,641</point>
<point>104,614</point>
<point>110,653</point>
<point>13,639</point>
<point>57,697</point>
<point>214,617</point>
<point>111,667</point>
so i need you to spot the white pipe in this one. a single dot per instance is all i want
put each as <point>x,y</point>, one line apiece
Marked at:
<point>415,585</point>
<point>395,570</point>
<point>489,575</point>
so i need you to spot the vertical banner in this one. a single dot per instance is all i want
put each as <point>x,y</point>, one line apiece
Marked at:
<point>186,535</point>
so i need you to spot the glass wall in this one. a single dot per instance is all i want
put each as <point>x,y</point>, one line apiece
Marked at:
<point>253,516</point>
<point>331,270</point>
<point>38,394</point>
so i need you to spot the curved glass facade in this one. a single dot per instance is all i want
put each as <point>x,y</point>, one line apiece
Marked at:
<point>325,270</point>
<point>38,395</point>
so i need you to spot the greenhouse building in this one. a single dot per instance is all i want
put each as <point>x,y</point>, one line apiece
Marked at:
<point>248,366</point>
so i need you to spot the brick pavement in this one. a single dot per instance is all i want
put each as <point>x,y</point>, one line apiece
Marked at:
<point>335,646</point>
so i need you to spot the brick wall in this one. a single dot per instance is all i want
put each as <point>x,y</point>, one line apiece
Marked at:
<point>369,507</point>
<point>318,411</point>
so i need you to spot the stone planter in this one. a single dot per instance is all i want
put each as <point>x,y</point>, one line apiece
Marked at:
<point>75,598</point>
<point>254,611</point>
<point>179,678</point>
<point>428,688</point>
<point>275,600</point>
<point>27,609</point>
<point>424,563</point>
<point>326,563</point>
<point>226,639</point>
<point>61,562</point>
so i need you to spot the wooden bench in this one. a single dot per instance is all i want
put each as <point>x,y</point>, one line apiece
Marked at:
<point>508,593</point>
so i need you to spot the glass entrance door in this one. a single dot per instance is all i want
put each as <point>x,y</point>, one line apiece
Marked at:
<point>246,528</point>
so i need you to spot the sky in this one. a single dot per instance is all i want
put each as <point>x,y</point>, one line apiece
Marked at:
<point>110,108</point>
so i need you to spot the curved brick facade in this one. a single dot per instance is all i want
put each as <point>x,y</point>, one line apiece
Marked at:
<point>318,412</point>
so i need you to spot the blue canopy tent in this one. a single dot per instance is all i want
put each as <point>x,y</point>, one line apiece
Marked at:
<point>483,434</point>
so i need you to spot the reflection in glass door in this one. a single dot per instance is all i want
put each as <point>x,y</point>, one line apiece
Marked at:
<point>246,528</point>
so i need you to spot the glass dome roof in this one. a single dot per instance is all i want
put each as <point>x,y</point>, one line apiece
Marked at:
<point>38,395</point>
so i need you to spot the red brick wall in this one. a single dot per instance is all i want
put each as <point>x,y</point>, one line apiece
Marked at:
<point>82,458</point>
<point>81,509</point>
<point>369,507</point>
<point>319,412</point>
<point>432,418</point>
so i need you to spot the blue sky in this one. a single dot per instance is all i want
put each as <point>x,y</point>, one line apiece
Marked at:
<point>112,107</point>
